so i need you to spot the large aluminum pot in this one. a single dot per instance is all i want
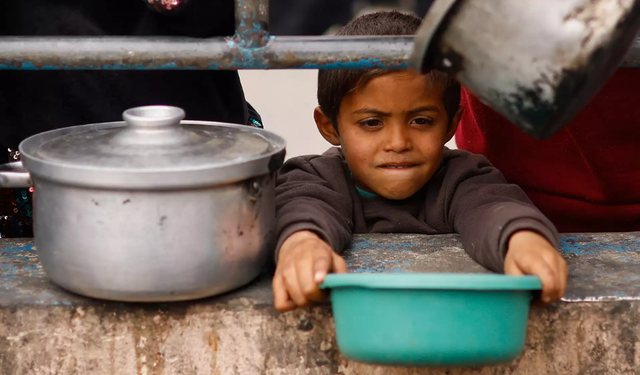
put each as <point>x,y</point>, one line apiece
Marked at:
<point>153,209</point>
<point>537,62</point>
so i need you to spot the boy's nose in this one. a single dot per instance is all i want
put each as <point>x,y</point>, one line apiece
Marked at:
<point>397,139</point>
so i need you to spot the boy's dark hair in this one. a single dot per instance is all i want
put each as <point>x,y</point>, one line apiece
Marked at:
<point>334,85</point>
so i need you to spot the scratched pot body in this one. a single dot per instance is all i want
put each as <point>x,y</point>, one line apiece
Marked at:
<point>536,62</point>
<point>149,231</point>
<point>153,245</point>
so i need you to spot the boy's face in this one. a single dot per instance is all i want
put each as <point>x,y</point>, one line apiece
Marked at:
<point>392,131</point>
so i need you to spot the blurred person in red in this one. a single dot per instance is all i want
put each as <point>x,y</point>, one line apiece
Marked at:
<point>586,177</point>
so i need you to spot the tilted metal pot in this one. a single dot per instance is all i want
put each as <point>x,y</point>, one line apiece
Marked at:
<point>153,208</point>
<point>537,62</point>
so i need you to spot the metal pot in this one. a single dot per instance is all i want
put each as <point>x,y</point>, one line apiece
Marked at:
<point>536,62</point>
<point>153,209</point>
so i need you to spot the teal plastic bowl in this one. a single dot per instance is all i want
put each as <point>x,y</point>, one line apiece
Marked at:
<point>438,320</point>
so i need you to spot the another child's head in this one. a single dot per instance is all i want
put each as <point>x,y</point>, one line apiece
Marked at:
<point>391,124</point>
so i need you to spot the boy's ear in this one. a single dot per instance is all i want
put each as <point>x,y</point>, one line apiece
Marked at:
<point>453,126</point>
<point>325,127</point>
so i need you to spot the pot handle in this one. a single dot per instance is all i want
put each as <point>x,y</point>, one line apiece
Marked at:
<point>13,175</point>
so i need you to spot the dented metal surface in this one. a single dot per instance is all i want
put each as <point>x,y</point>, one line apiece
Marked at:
<point>535,62</point>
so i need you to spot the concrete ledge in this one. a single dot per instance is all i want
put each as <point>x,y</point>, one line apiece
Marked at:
<point>44,330</point>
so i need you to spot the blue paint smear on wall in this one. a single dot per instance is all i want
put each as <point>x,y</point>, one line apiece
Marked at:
<point>25,261</point>
<point>365,244</point>
<point>584,246</point>
<point>26,252</point>
<point>18,269</point>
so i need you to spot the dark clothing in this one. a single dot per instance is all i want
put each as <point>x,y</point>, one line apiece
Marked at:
<point>35,101</point>
<point>422,7</point>
<point>314,17</point>
<point>307,17</point>
<point>466,195</point>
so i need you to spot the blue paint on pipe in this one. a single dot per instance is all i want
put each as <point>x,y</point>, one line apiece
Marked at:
<point>360,64</point>
<point>118,66</point>
<point>249,58</point>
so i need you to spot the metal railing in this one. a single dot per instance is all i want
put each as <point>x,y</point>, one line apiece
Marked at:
<point>250,48</point>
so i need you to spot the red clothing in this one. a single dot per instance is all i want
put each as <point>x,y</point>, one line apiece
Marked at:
<point>586,177</point>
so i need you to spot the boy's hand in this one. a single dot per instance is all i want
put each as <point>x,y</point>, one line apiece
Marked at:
<point>304,261</point>
<point>531,254</point>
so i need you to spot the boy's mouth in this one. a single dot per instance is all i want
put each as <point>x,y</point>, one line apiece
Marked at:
<point>398,165</point>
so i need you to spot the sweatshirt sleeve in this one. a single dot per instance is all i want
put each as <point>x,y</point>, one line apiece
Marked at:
<point>486,210</point>
<point>311,194</point>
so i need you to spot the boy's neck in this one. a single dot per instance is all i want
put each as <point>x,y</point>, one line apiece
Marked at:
<point>364,193</point>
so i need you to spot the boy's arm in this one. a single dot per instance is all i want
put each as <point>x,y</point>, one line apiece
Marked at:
<point>499,226</point>
<point>306,200</point>
<point>313,212</point>
<point>486,210</point>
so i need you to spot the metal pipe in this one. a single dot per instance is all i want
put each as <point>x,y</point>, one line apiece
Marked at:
<point>95,53</point>
<point>252,23</point>
<point>282,52</point>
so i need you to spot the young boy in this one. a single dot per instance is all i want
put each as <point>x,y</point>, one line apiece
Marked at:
<point>392,173</point>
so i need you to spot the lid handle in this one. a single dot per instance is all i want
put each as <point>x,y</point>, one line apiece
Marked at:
<point>156,125</point>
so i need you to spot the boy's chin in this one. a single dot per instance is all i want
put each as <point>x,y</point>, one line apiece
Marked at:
<point>397,194</point>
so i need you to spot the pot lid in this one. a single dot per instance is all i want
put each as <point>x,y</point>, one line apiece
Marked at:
<point>153,148</point>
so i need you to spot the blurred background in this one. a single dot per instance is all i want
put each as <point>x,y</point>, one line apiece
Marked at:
<point>286,98</point>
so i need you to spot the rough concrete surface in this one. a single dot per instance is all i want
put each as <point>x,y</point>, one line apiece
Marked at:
<point>45,330</point>
<point>246,336</point>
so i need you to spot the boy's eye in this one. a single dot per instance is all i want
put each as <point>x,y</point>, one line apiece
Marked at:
<point>371,123</point>
<point>422,121</point>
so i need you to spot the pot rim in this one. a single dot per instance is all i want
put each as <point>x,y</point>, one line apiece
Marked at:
<point>433,281</point>
<point>430,26</point>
